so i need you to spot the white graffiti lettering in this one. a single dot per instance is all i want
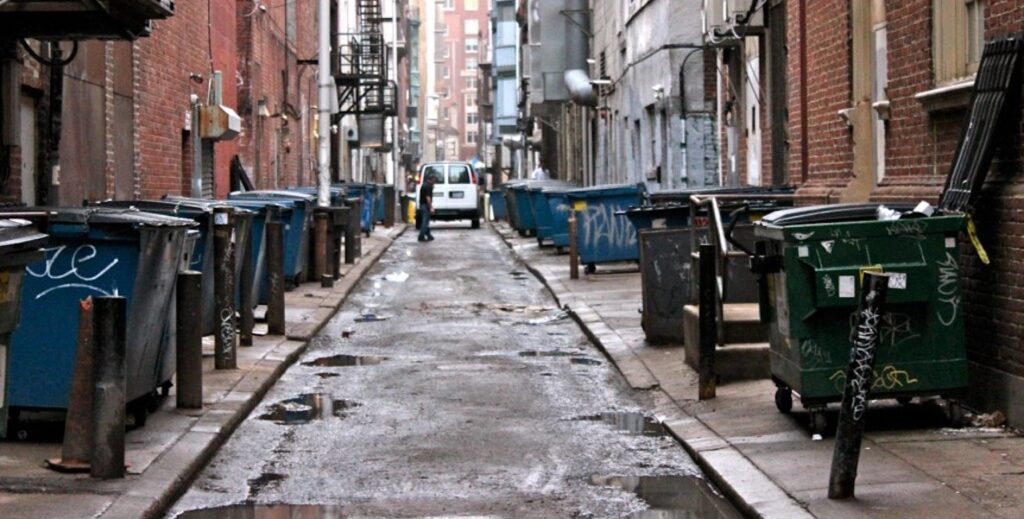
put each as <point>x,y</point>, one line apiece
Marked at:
<point>602,226</point>
<point>80,267</point>
<point>948,288</point>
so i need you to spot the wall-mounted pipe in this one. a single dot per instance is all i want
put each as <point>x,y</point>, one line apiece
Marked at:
<point>581,91</point>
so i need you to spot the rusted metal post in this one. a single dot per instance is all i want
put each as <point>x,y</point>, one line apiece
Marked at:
<point>320,221</point>
<point>390,206</point>
<point>225,338</point>
<point>574,250</point>
<point>246,319</point>
<point>353,245</point>
<point>190,340</point>
<point>109,324</point>
<point>76,451</point>
<point>859,376</point>
<point>275,272</point>
<point>706,384</point>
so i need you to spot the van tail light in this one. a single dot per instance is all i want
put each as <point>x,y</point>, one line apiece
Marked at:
<point>472,176</point>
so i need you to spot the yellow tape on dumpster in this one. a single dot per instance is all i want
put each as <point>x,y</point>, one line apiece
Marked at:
<point>972,234</point>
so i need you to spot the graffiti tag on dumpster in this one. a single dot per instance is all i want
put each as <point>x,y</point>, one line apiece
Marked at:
<point>601,225</point>
<point>949,274</point>
<point>889,378</point>
<point>79,267</point>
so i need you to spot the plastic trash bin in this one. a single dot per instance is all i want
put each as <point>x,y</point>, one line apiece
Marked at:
<point>95,251</point>
<point>20,245</point>
<point>296,230</point>
<point>496,200</point>
<point>814,263</point>
<point>519,200</point>
<point>368,192</point>
<point>602,235</point>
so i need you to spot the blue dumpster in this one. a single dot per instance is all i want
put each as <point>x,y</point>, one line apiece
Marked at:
<point>496,199</point>
<point>95,251</point>
<point>550,219</point>
<point>259,233</point>
<point>602,235</point>
<point>296,232</point>
<point>519,200</point>
<point>20,245</point>
<point>199,210</point>
<point>368,192</point>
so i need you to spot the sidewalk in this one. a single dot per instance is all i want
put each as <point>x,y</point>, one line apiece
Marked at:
<point>169,451</point>
<point>911,464</point>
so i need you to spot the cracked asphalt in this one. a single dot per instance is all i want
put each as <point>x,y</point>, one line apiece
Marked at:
<point>464,391</point>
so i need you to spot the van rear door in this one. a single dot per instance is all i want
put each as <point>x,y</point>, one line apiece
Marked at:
<point>461,189</point>
<point>437,172</point>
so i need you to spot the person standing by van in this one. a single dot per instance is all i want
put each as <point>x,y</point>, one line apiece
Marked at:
<point>426,208</point>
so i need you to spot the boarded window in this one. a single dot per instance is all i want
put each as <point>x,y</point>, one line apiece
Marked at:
<point>958,33</point>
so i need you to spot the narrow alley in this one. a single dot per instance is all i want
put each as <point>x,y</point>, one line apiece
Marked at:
<point>465,392</point>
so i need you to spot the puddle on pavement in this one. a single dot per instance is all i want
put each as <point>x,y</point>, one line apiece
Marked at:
<point>252,511</point>
<point>342,361</point>
<point>583,361</point>
<point>258,484</point>
<point>631,422</point>
<point>548,353</point>
<point>306,408</point>
<point>672,496</point>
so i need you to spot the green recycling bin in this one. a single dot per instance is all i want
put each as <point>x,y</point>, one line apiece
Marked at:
<point>816,257</point>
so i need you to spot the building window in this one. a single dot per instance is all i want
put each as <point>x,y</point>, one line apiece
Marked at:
<point>470,100</point>
<point>472,83</point>
<point>446,113</point>
<point>449,5</point>
<point>471,64</point>
<point>472,45</point>
<point>472,5</point>
<point>445,73</point>
<point>471,118</point>
<point>471,137</point>
<point>958,35</point>
<point>471,27</point>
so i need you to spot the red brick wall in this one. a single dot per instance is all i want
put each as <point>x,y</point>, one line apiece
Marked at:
<point>919,148</point>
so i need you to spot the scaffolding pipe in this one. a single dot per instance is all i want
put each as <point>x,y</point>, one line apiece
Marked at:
<point>324,107</point>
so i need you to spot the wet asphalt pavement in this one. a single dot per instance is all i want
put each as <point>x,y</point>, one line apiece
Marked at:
<point>470,394</point>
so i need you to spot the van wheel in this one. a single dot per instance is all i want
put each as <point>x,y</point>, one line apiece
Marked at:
<point>476,223</point>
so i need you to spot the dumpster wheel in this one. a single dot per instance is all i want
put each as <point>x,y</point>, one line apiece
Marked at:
<point>590,268</point>
<point>783,399</point>
<point>819,422</point>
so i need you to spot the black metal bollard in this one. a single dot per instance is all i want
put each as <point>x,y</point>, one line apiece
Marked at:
<point>706,385</point>
<point>189,348</point>
<point>859,377</point>
<point>275,272</point>
<point>246,319</point>
<point>110,319</point>
<point>574,250</point>
<point>320,246</point>
<point>225,338</point>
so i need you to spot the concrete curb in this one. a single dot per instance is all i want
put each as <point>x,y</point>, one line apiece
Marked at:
<point>169,477</point>
<point>749,489</point>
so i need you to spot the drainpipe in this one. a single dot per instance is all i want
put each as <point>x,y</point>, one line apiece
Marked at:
<point>324,106</point>
<point>803,92</point>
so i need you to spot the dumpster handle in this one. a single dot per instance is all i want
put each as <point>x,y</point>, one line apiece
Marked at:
<point>732,227</point>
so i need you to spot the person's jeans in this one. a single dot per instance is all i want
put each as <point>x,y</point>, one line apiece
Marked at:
<point>425,224</point>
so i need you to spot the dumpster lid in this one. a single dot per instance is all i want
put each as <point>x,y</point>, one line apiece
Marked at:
<point>17,235</point>
<point>103,215</point>
<point>186,207</point>
<point>667,208</point>
<point>833,213</point>
<point>606,189</point>
<point>274,193</point>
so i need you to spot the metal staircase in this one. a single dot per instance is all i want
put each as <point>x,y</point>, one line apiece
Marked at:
<point>363,87</point>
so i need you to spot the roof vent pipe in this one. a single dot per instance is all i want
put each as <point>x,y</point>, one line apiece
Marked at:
<point>580,89</point>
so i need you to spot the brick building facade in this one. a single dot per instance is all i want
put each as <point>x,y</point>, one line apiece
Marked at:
<point>876,101</point>
<point>462,37</point>
<point>126,112</point>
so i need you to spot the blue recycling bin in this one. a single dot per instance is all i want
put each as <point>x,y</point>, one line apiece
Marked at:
<point>337,193</point>
<point>603,236</point>
<point>496,199</point>
<point>95,251</point>
<point>368,192</point>
<point>296,232</point>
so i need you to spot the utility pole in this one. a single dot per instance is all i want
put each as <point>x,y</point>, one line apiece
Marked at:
<point>324,106</point>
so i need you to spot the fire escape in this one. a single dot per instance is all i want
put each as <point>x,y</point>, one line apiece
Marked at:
<point>362,76</point>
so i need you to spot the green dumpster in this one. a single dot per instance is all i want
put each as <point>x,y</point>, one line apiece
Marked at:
<point>814,263</point>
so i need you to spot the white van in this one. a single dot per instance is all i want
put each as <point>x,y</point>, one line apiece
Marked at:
<point>456,191</point>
